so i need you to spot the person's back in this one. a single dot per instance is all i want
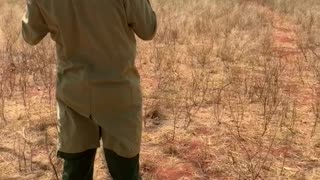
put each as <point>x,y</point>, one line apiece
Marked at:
<point>95,42</point>
<point>97,80</point>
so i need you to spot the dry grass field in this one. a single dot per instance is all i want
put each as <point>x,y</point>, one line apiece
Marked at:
<point>231,91</point>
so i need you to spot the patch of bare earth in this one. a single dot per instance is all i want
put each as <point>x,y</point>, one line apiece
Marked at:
<point>303,156</point>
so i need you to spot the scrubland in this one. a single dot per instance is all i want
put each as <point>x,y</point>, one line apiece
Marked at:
<point>231,91</point>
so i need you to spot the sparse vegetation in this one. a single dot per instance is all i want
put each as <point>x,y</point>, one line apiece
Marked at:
<point>231,91</point>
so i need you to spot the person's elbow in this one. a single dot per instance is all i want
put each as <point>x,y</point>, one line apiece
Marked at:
<point>31,36</point>
<point>148,32</point>
<point>30,41</point>
<point>147,35</point>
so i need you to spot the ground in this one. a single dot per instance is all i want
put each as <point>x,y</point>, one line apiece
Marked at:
<point>230,92</point>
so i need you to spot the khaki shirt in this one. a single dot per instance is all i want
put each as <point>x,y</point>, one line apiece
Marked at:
<point>96,50</point>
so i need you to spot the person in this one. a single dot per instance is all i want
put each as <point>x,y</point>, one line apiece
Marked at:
<point>98,86</point>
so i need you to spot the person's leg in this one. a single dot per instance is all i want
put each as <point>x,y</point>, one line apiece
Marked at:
<point>121,168</point>
<point>78,137</point>
<point>78,166</point>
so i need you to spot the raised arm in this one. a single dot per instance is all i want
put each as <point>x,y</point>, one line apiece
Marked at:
<point>34,27</point>
<point>141,18</point>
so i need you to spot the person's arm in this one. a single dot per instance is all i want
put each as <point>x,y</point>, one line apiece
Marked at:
<point>34,27</point>
<point>141,18</point>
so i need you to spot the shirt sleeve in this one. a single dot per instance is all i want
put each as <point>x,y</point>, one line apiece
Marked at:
<point>141,18</point>
<point>34,27</point>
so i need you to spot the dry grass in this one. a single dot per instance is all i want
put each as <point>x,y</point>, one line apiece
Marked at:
<point>231,91</point>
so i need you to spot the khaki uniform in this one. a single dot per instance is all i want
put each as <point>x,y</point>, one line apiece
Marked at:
<point>98,84</point>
